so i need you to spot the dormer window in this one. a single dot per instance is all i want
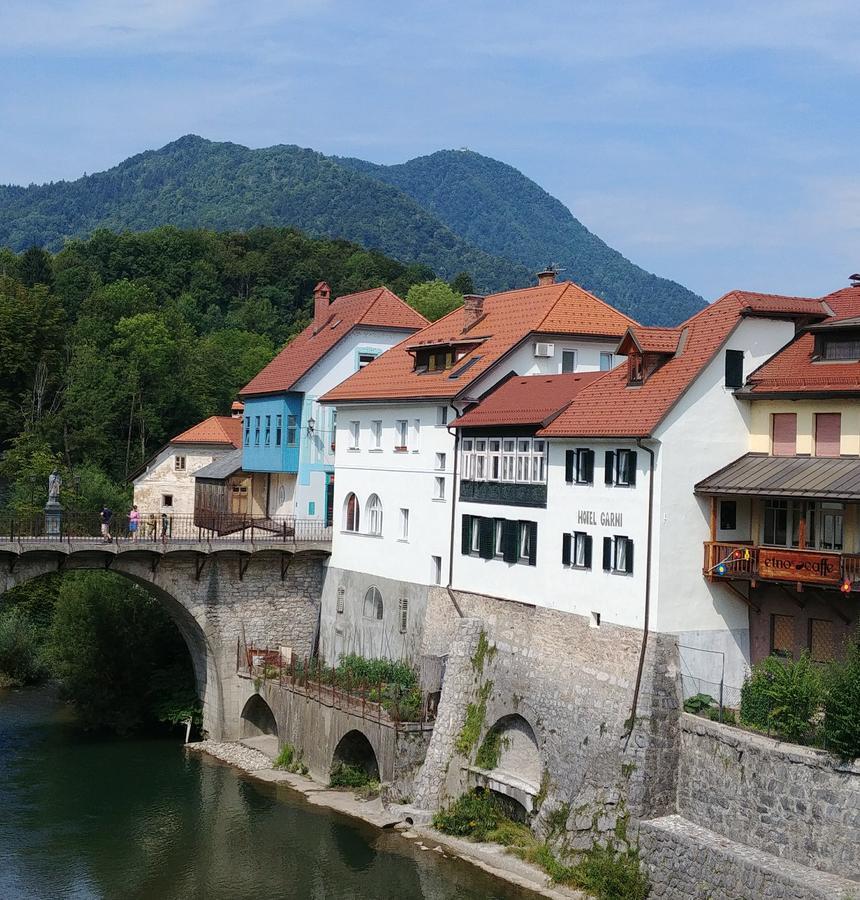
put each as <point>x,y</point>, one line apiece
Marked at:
<point>635,368</point>
<point>841,348</point>
<point>440,357</point>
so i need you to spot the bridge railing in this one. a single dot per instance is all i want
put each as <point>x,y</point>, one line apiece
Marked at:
<point>383,702</point>
<point>163,528</point>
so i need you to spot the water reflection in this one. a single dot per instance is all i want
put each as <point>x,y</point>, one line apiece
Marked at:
<point>99,818</point>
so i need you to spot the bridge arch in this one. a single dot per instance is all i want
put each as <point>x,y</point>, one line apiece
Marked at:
<point>355,749</point>
<point>258,719</point>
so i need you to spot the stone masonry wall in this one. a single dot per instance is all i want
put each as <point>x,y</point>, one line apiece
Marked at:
<point>573,684</point>
<point>794,802</point>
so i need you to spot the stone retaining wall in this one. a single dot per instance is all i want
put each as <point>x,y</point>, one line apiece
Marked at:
<point>793,802</point>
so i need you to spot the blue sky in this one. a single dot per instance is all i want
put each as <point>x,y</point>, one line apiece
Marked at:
<point>716,144</point>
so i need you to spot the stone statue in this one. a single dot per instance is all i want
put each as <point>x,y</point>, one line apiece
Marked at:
<point>54,484</point>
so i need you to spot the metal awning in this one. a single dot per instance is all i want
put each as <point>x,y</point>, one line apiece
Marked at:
<point>807,477</point>
<point>223,467</point>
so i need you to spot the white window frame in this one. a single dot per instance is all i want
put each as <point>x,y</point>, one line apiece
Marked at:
<point>480,472</point>
<point>579,540</point>
<point>524,460</point>
<point>524,541</point>
<point>467,459</point>
<point>620,543</point>
<point>376,433</point>
<point>441,462</point>
<point>624,453</point>
<point>416,435</point>
<point>401,435</point>
<point>441,415</point>
<point>509,460</point>
<point>568,351</point>
<point>436,569</point>
<point>354,434</point>
<point>179,463</point>
<point>607,356</point>
<point>439,487</point>
<point>404,523</point>
<point>373,510</point>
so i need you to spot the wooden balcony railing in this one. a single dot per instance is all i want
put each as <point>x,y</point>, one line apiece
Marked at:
<point>752,562</point>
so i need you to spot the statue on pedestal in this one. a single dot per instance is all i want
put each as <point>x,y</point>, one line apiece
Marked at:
<point>54,485</point>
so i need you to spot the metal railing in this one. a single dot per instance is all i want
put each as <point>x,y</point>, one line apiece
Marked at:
<point>162,529</point>
<point>381,702</point>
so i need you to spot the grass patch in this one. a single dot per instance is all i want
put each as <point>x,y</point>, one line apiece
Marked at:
<point>290,761</point>
<point>490,750</point>
<point>484,652</point>
<point>345,775</point>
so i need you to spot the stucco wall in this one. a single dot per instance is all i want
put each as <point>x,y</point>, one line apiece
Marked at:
<point>161,477</point>
<point>805,410</point>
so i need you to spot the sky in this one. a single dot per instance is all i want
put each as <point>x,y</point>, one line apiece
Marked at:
<point>714,144</point>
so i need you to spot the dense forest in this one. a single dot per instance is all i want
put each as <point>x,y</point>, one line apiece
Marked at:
<point>451,211</point>
<point>116,343</point>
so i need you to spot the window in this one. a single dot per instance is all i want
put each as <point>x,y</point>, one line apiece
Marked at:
<point>468,459</point>
<point>494,459</point>
<point>579,466</point>
<point>351,513</point>
<point>568,360</point>
<point>365,359</point>
<point>436,569</point>
<point>268,433</point>
<point>279,430</point>
<point>538,461</point>
<point>247,431</point>
<point>618,554</point>
<point>524,465</point>
<point>441,415</point>
<point>784,433</point>
<point>292,431</point>
<point>373,604</point>
<point>821,640</point>
<point>734,368</point>
<point>499,537</point>
<point>504,459</point>
<point>403,608</point>
<point>480,460</point>
<point>828,429</point>
<point>606,360</point>
<point>826,530</point>
<point>376,434</point>
<point>528,542</point>
<point>635,369</point>
<point>256,431</point>
<point>439,488</point>
<point>441,459</point>
<point>374,515</point>
<point>341,591</point>
<point>509,459</point>
<point>179,463</point>
<point>620,467</point>
<point>782,636</point>
<point>836,350</point>
<point>404,524</point>
<point>576,550</point>
<point>401,434</point>
<point>416,434</point>
<point>728,515</point>
<point>354,434</point>
<point>167,500</point>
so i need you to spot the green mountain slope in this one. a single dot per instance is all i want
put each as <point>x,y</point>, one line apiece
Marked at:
<point>495,207</point>
<point>195,183</point>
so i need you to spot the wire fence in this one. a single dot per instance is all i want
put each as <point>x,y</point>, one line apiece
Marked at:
<point>164,528</point>
<point>703,676</point>
<point>387,703</point>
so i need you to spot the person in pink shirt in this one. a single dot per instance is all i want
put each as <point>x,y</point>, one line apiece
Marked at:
<point>133,522</point>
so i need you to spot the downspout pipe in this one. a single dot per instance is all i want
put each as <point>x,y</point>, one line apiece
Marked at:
<point>631,722</point>
<point>453,516</point>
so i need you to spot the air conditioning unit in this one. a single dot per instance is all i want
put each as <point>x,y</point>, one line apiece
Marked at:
<point>544,349</point>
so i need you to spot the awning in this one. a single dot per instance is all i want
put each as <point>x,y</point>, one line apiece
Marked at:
<point>806,477</point>
<point>223,467</point>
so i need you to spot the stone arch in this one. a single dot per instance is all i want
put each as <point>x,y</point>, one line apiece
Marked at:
<point>258,720</point>
<point>355,749</point>
<point>512,745</point>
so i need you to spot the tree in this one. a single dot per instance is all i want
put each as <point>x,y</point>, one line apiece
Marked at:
<point>34,267</point>
<point>433,299</point>
<point>463,284</point>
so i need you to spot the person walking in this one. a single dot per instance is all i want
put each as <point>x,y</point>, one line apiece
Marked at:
<point>133,522</point>
<point>106,516</point>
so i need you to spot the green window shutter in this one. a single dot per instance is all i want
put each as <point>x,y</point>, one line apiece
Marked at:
<point>589,466</point>
<point>510,538</point>
<point>532,543</point>
<point>629,557</point>
<point>466,543</point>
<point>607,554</point>
<point>486,538</point>
<point>569,465</point>
<point>588,551</point>
<point>609,467</point>
<point>565,549</point>
<point>632,462</point>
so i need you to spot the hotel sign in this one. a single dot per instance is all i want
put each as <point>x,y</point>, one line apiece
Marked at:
<point>607,519</point>
<point>799,565</point>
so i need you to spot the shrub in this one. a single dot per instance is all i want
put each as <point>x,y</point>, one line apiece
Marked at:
<point>490,750</point>
<point>345,775</point>
<point>785,694</point>
<point>841,729</point>
<point>475,815</point>
<point>698,703</point>
<point>609,874</point>
<point>290,761</point>
<point>20,649</point>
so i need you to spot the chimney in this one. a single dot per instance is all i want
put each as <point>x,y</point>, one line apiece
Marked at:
<point>322,294</point>
<point>547,276</point>
<point>855,279</point>
<point>237,409</point>
<point>473,309</point>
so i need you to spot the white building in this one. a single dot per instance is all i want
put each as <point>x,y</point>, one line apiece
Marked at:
<point>394,493</point>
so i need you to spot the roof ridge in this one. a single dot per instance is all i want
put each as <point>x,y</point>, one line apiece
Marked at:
<point>572,284</point>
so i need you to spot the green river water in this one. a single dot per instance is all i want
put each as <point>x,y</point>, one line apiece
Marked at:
<point>93,817</point>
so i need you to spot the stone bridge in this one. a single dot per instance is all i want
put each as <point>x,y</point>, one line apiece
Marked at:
<point>219,593</point>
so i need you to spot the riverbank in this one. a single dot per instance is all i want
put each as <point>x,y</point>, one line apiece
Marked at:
<point>491,858</point>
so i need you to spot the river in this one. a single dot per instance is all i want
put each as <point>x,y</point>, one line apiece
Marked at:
<point>93,817</point>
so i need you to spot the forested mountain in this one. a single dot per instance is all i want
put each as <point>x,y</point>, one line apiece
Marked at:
<point>119,342</point>
<point>496,208</point>
<point>452,211</point>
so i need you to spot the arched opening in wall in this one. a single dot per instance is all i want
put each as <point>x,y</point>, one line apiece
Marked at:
<point>354,763</point>
<point>130,657</point>
<point>373,606</point>
<point>351,513</point>
<point>374,515</point>
<point>510,751</point>
<point>259,726</point>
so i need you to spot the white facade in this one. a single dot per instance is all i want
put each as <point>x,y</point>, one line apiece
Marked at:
<point>167,483</point>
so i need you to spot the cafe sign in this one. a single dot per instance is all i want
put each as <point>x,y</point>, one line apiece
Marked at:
<point>799,565</point>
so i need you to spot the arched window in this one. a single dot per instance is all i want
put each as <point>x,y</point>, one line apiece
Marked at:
<point>374,514</point>
<point>373,604</point>
<point>351,513</point>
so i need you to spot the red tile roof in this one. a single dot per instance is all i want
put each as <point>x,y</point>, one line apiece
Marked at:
<point>793,370</point>
<point>375,308</point>
<point>651,340</point>
<point>527,400</point>
<point>214,430</point>
<point>612,408</point>
<point>508,318</point>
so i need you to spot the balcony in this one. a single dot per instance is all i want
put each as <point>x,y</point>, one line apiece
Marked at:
<point>782,565</point>
<point>504,493</point>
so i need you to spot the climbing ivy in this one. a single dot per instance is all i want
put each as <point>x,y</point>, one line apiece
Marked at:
<point>475,714</point>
